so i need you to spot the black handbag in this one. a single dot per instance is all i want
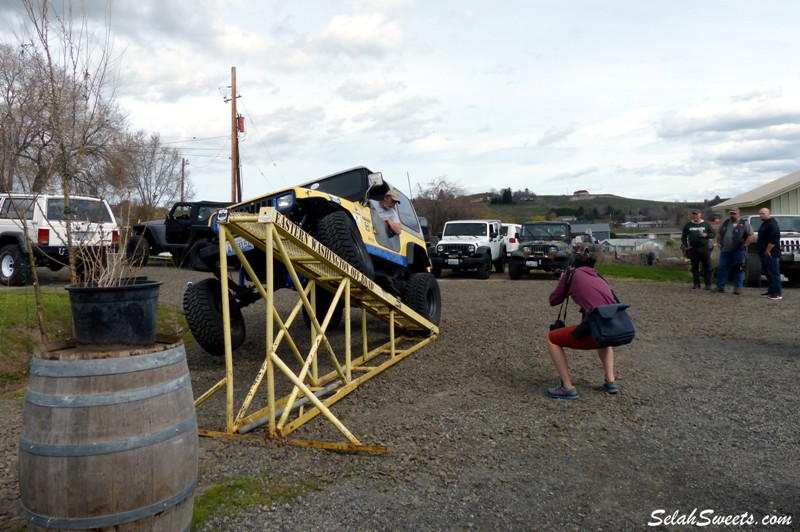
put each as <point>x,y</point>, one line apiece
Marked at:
<point>610,325</point>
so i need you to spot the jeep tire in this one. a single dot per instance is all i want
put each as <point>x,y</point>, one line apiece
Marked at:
<point>138,251</point>
<point>202,303</point>
<point>195,262</point>
<point>514,270</point>
<point>500,263</point>
<point>338,232</point>
<point>423,296</point>
<point>485,269</point>
<point>752,270</point>
<point>15,270</point>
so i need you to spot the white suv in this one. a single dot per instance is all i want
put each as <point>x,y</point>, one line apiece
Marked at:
<point>469,245</point>
<point>42,218</point>
<point>510,234</point>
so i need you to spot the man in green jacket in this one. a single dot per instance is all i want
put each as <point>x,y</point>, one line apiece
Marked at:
<point>697,239</point>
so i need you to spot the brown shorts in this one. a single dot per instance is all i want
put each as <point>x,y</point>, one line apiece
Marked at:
<point>563,337</point>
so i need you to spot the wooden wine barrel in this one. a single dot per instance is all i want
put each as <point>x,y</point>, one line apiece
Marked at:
<point>109,440</point>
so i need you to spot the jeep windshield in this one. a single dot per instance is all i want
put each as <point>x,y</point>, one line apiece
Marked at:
<point>464,229</point>
<point>787,224</point>
<point>545,231</point>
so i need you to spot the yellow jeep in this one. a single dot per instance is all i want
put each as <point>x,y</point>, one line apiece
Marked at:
<point>335,210</point>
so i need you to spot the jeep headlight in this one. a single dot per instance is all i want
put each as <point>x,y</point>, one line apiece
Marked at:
<point>552,250</point>
<point>284,202</point>
<point>526,250</point>
<point>439,248</point>
<point>471,248</point>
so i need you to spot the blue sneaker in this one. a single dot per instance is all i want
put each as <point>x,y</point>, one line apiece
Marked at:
<point>610,387</point>
<point>563,393</point>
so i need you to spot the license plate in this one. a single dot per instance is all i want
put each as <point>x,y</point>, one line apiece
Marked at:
<point>452,262</point>
<point>241,243</point>
<point>797,257</point>
<point>532,263</point>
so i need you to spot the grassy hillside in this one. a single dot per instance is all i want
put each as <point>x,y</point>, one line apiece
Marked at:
<point>523,211</point>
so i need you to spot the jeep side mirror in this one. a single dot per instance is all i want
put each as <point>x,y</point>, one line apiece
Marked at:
<point>375,179</point>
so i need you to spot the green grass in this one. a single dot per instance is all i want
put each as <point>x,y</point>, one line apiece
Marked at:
<point>234,495</point>
<point>649,273</point>
<point>19,329</point>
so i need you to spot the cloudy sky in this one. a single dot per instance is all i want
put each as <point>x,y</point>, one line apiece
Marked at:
<point>666,100</point>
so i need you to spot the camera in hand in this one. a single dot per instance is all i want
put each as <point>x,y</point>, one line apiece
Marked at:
<point>557,325</point>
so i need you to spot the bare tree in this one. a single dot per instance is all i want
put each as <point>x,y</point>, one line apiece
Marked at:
<point>149,171</point>
<point>442,200</point>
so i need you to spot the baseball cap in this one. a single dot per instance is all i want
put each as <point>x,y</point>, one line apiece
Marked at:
<point>394,194</point>
<point>695,211</point>
<point>733,209</point>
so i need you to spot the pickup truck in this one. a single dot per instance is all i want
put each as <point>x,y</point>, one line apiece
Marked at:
<point>174,235</point>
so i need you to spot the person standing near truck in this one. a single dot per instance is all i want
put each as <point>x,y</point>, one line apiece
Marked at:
<point>695,238</point>
<point>768,246</point>
<point>735,234</point>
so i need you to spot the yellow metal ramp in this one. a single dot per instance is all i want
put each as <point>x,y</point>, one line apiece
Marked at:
<point>309,393</point>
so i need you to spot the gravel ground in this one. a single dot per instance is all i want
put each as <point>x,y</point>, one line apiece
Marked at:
<point>707,420</point>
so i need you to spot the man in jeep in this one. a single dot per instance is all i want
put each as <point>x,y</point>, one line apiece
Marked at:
<point>386,211</point>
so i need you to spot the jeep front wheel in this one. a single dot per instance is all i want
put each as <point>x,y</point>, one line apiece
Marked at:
<point>423,296</point>
<point>485,269</point>
<point>202,303</point>
<point>514,270</point>
<point>339,233</point>
<point>14,267</point>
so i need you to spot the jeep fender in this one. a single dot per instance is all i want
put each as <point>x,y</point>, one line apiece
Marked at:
<point>418,259</point>
<point>484,250</point>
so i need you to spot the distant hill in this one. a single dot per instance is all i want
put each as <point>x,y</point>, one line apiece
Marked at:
<point>585,207</point>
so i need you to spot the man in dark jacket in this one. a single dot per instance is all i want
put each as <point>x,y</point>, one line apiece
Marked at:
<point>768,246</point>
<point>695,240</point>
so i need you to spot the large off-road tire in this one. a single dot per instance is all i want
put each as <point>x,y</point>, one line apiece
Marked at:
<point>324,299</point>
<point>485,269</point>
<point>202,303</point>
<point>752,270</point>
<point>137,251</point>
<point>500,264</point>
<point>514,270</point>
<point>423,296</point>
<point>15,270</point>
<point>338,232</point>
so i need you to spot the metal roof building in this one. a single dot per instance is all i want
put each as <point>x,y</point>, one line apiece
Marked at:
<point>781,196</point>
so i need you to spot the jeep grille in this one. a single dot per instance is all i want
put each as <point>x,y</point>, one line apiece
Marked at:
<point>790,245</point>
<point>455,249</point>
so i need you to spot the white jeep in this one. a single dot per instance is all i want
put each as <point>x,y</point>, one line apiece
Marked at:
<point>42,217</point>
<point>469,245</point>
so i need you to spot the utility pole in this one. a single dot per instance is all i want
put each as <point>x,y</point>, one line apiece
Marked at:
<point>234,141</point>
<point>183,176</point>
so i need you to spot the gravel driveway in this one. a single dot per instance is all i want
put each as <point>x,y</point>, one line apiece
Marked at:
<point>707,421</point>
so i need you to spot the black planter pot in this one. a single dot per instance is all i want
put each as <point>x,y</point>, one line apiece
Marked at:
<point>125,314</point>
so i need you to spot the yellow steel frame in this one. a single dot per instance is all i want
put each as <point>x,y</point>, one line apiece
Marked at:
<point>311,394</point>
